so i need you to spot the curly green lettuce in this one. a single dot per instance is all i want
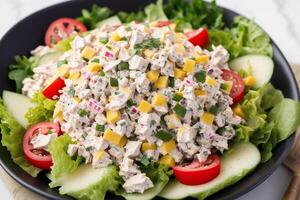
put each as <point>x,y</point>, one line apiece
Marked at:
<point>42,111</point>
<point>62,162</point>
<point>270,119</point>
<point>243,38</point>
<point>12,138</point>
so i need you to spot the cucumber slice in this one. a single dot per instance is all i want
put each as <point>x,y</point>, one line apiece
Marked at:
<point>88,183</point>
<point>112,21</point>
<point>259,66</point>
<point>236,163</point>
<point>17,105</point>
<point>49,57</point>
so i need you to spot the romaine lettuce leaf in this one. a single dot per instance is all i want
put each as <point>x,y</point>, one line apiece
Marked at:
<point>12,138</point>
<point>155,12</point>
<point>62,162</point>
<point>42,111</point>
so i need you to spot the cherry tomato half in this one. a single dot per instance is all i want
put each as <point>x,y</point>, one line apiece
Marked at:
<point>197,173</point>
<point>61,29</point>
<point>39,157</point>
<point>198,37</point>
<point>52,91</point>
<point>238,87</point>
<point>163,23</point>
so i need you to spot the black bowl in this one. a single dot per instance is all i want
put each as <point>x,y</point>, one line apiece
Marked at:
<point>29,33</point>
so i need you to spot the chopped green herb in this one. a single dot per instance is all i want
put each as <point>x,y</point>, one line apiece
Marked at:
<point>82,112</point>
<point>200,76</point>
<point>164,135</point>
<point>113,82</point>
<point>102,73</point>
<point>171,82</point>
<point>130,103</point>
<point>50,132</point>
<point>177,97</point>
<point>152,123</point>
<point>179,110</point>
<point>71,92</point>
<point>96,60</point>
<point>99,127</point>
<point>61,62</point>
<point>123,66</point>
<point>144,161</point>
<point>213,110</point>
<point>150,43</point>
<point>103,40</point>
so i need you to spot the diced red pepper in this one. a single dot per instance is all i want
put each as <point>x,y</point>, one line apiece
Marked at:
<point>52,91</point>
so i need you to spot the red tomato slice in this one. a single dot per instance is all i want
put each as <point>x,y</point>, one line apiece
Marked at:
<point>52,91</point>
<point>198,37</point>
<point>163,23</point>
<point>61,29</point>
<point>38,157</point>
<point>238,87</point>
<point>198,173</point>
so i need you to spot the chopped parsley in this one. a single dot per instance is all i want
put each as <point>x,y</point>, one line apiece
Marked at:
<point>123,66</point>
<point>103,40</point>
<point>164,135</point>
<point>200,76</point>
<point>114,82</point>
<point>179,110</point>
<point>100,128</point>
<point>151,43</point>
<point>82,112</point>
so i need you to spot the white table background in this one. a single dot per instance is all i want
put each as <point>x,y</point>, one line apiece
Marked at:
<point>280,18</point>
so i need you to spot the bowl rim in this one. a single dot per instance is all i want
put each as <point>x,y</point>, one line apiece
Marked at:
<point>289,141</point>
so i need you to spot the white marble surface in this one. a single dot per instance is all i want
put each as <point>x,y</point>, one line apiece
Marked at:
<point>280,18</point>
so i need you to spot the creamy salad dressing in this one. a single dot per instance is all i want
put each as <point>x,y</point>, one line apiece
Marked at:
<point>128,85</point>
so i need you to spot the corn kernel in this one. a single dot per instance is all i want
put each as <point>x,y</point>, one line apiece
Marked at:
<point>114,138</point>
<point>152,76</point>
<point>77,99</point>
<point>201,59</point>
<point>227,86</point>
<point>172,121</point>
<point>99,155</point>
<point>148,53</point>
<point>63,70</point>
<point>189,65</point>
<point>148,146</point>
<point>207,118</point>
<point>173,26</point>
<point>237,110</point>
<point>178,73</point>
<point>58,114</point>
<point>94,67</point>
<point>74,76</point>
<point>250,81</point>
<point>162,82</point>
<point>88,52</point>
<point>168,147</point>
<point>145,106</point>
<point>112,116</point>
<point>115,37</point>
<point>179,48</point>
<point>199,92</point>
<point>159,100</point>
<point>168,160</point>
<point>210,81</point>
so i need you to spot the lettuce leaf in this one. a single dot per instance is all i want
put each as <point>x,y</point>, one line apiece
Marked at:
<point>270,119</point>
<point>62,162</point>
<point>243,38</point>
<point>12,136</point>
<point>155,12</point>
<point>42,111</point>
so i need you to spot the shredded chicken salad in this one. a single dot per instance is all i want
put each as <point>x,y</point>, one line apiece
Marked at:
<point>143,92</point>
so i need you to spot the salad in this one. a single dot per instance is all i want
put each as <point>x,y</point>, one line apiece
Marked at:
<point>165,101</point>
